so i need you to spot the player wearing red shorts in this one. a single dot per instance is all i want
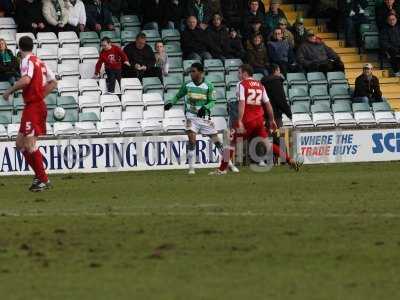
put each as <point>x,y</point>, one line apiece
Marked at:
<point>253,103</point>
<point>37,81</point>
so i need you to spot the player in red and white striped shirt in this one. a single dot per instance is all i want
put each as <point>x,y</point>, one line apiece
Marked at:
<point>253,102</point>
<point>37,81</point>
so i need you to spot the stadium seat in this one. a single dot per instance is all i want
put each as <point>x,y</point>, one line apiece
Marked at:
<point>133,112</point>
<point>68,54</point>
<point>296,79</point>
<point>220,123</point>
<point>383,113</point>
<point>342,114</point>
<point>47,54</point>
<point>219,110</point>
<point>152,121</point>
<point>68,39</point>
<point>8,24</point>
<point>108,127</point>
<point>87,70</point>
<point>298,93</point>
<point>231,80</point>
<point>47,40</point>
<point>151,84</point>
<point>175,65</point>
<point>316,78</point>
<point>86,128</point>
<point>151,99</point>
<point>363,114</point>
<point>89,39</point>
<point>128,84</point>
<point>173,81</point>
<point>174,120</point>
<point>110,101</point>
<point>88,117</point>
<point>232,64</point>
<point>130,126</point>
<point>89,87</point>
<point>231,96</point>
<point>110,116</point>
<point>170,35</point>
<point>88,53</point>
<point>322,115</point>
<point>64,129</point>
<point>5,117</point>
<point>114,36</point>
<point>152,35</point>
<point>13,130</point>
<point>319,92</point>
<point>336,78</point>
<point>173,50</point>
<point>67,102</point>
<point>71,116</point>
<point>128,36</point>
<point>217,79</point>
<point>301,116</point>
<point>68,87</point>
<point>130,21</point>
<point>69,70</point>
<point>286,122</point>
<point>131,99</point>
<point>4,85</point>
<point>89,101</point>
<point>213,65</point>
<point>50,117</point>
<point>6,105</point>
<point>3,131</point>
<point>220,94</point>
<point>18,103</point>
<point>187,63</point>
<point>103,87</point>
<point>339,92</point>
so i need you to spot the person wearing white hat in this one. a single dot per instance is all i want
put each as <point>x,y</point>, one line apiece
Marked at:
<point>367,89</point>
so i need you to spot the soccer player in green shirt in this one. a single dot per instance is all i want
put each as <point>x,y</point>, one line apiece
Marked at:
<point>199,101</point>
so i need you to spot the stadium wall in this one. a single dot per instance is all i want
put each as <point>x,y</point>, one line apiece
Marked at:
<point>110,154</point>
<point>344,146</point>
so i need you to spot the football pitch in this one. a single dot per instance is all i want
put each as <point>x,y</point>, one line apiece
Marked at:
<point>327,232</point>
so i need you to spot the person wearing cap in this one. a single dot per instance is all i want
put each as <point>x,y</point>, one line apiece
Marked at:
<point>287,35</point>
<point>390,42</point>
<point>314,56</point>
<point>367,87</point>
<point>257,55</point>
<point>256,26</point>
<point>274,15</point>
<point>299,32</point>
<point>281,52</point>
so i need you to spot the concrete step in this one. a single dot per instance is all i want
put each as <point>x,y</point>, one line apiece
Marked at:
<point>359,65</point>
<point>391,88</point>
<point>354,73</point>
<point>394,103</point>
<point>335,43</point>
<point>343,50</point>
<point>327,36</point>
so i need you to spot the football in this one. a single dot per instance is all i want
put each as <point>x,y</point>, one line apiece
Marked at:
<point>59,113</point>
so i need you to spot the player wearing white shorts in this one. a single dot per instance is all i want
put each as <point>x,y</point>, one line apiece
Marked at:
<point>199,100</point>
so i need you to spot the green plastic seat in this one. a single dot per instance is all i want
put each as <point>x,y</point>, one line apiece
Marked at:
<point>173,50</point>
<point>316,78</point>
<point>231,96</point>
<point>321,108</point>
<point>175,65</point>
<point>371,41</point>
<point>358,107</point>
<point>5,117</point>
<point>152,83</point>
<point>220,93</point>
<point>381,106</point>
<point>67,102</point>
<point>232,64</point>
<point>114,36</point>
<point>339,91</point>
<point>299,108</point>
<point>219,110</point>
<point>16,119</point>
<point>170,35</point>
<point>231,80</point>
<point>336,78</point>
<point>128,36</point>
<point>71,115</point>
<point>341,107</point>
<point>298,94</point>
<point>51,101</point>
<point>187,63</point>
<point>296,79</point>
<point>88,117</point>
<point>217,79</point>
<point>212,65</point>
<point>130,21</point>
<point>319,92</point>
<point>152,35</point>
<point>6,105</point>
<point>89,37</point>
<point>173,81</point>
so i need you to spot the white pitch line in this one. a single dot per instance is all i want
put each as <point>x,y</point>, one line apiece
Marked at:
<point>191,214</point>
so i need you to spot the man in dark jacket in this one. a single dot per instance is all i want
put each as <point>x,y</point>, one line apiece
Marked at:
<point>98,16</point>
<point>117,6</point>
<point>274,87</point>
<point>29,17</point>
<point>254,11</point>
<point>196,43</point>
<point>233,12</point>
<point>142,59</point>
<point>152,12</point>
<point>314,56</point>
<point>386,8</point>
<point>173,12</point>
<point>367,87</point>
<point>355,16</point>
<point>390,42</point>
<point>281,52</point>
<point>201,9</point>
<point>236,44</point>
<point>274,15</point>
<point>219,36</point>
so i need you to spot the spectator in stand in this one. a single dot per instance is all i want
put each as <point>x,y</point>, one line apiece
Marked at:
<point>55,15</point>
<point>386,8</point>
<point>161,58</point>
<point>367,87</point>
<point>8,63</point>
<point>215,6</point>
<point>329,10</point>
<point>98,16</point>
<point>142,59</point>
<point>274,15</point>
<point>195,42</point>
<point>390,42</point>
<point>6,8</point>
<point>299,32</point>
<point>253,11</point>
<point>219,36</point>
<point>173,13</point>
<point>29,17</point>
<point>355,16</point>
<point>112,57</point>
<point>152,12</point>
<point>257,55</point>
<point>201,9</point>
<point>232,12</point>
<point>118,6</point>
<point>76,15</point>
<point>235,43</point>
<point>281,52</point>
<point>314,56</point>
<point>256,27</point>
<point>287,35</point>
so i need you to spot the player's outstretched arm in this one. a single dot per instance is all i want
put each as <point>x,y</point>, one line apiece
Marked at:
<point>19,85</point>
<point>181,93</point>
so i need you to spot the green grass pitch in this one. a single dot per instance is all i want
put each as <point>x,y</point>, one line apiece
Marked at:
<point>327,232</point>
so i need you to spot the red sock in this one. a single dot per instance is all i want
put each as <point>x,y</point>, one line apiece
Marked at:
<point>226,158</point>
<point>38,167</point>
<point>28,158</point>
<point>280,153</point>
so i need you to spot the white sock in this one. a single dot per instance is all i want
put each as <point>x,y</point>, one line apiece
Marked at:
<point>190,156</point>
